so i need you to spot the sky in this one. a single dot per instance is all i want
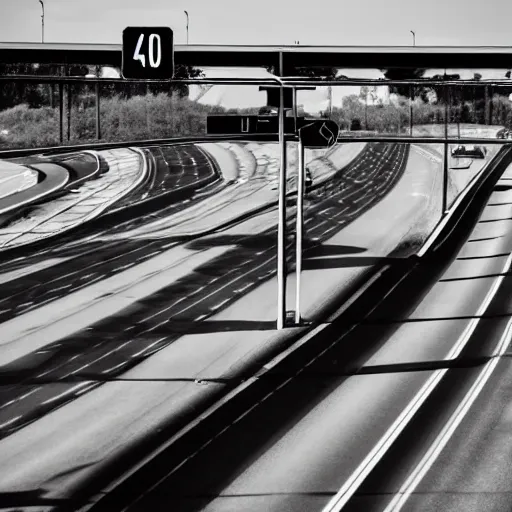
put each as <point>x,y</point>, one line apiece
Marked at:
<point>274,22</point>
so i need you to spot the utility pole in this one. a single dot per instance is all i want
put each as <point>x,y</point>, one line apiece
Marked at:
<point>42,21</point>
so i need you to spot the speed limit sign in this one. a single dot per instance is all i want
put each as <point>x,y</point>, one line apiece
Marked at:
<point>148,53</point>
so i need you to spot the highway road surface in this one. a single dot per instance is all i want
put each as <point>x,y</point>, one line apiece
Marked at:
<point>88,319</point>
<point>77,317</point>
<point>343,433</point>
<point>106,347</point>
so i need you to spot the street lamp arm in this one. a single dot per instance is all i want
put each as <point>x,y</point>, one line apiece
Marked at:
<point>42,21</point>
<point>186,13</point>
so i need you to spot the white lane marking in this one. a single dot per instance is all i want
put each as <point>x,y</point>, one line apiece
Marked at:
<point>240,290</point>
<point>12,420</point>
<point>209,295</point>
<point>67,392</point>
<point>144,350</point>
<point>70,274</point>
<point>449,429</point>
<point>217,306</point>
<point>371,460</point>
<point>32,269</point>
<point>19,398</point>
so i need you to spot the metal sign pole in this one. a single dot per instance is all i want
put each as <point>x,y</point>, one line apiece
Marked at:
<point>300,226</point>
<point>281,229</point>
<point>295,109</point>
<point>445,173</point>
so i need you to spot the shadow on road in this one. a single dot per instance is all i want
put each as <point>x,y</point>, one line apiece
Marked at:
<point>211,326</point>
<point>263,241</point>
<point>332,250</point>
<point>344,262</point>
<point>18,501</point>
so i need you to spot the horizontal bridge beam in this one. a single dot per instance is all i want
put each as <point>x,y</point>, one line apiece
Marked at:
<point>296,55</point>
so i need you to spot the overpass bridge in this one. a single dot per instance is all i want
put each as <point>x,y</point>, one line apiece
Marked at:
<point>283,58</point>
<point>141,366</point>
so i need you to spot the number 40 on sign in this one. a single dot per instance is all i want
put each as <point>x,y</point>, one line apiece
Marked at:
<point>148,53</point>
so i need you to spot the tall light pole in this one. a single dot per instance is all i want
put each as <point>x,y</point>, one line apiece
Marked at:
<point>186,13</point>
<point>42,21</point>
<point>413,37</point>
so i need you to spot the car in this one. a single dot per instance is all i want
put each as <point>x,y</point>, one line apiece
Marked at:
<point>268,111</point>
<point>308,181</point>
<point>462,151</point>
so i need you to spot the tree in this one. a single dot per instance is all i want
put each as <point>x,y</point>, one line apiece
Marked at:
<point>364,95</point>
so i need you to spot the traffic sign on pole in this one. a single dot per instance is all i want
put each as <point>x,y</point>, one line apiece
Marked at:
<point>148,53</point>
<point>319,133</point>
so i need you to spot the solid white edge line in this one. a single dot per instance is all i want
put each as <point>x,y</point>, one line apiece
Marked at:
<point>371,460</point>
<point>338,501</point>
<point>449,429</point>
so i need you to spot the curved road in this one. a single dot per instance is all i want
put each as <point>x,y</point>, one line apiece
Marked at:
<point>110,347</point>
<point>312,444</point>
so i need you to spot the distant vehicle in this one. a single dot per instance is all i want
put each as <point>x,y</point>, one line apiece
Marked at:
<point>268,111</point>
<point>308,181</point>
<point>462,151</point>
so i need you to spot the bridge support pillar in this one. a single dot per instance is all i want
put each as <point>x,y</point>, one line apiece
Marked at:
<point>281,228</point>
<point>299,227</point>
<point>445,162</point>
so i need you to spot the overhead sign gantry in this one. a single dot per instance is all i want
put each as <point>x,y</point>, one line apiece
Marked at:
<point>148,54</point>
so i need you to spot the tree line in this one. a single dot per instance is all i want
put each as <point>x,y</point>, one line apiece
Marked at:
<point>81,94</point>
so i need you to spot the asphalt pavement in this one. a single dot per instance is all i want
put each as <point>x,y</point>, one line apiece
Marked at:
<point>112,346</point>
<point>163,289</point>
<point>311,444</point>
